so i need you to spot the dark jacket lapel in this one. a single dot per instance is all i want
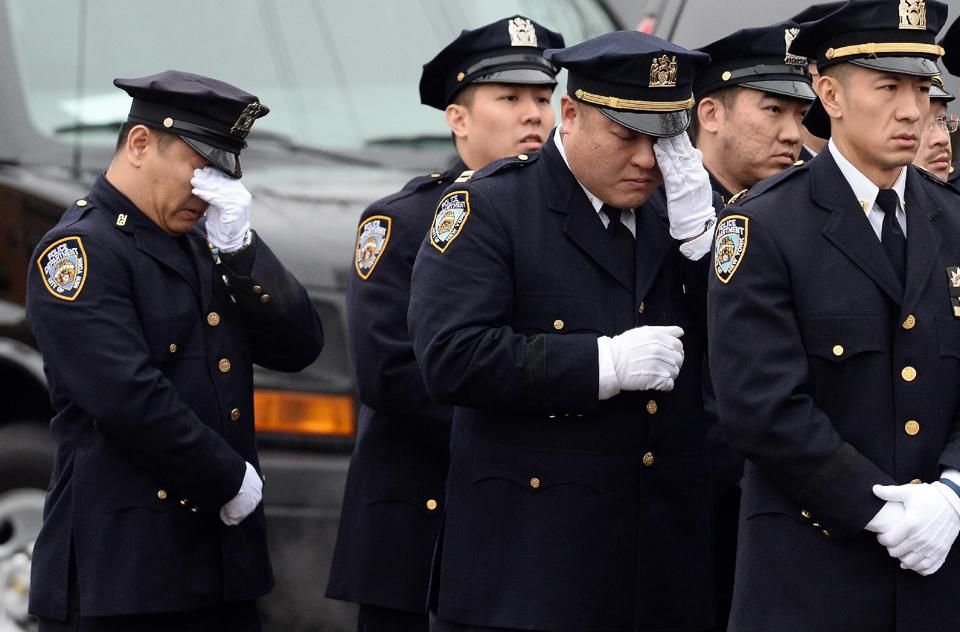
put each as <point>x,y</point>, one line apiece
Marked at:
<point>848,227</point>
<point>583,226</point>
<point>923,241</point>
<point>654,243</point>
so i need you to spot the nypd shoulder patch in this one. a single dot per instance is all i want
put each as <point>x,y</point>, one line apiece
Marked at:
<point>63,266</point>
<point>730,245</point>
<point>373,234</point>
<point>452,213</point>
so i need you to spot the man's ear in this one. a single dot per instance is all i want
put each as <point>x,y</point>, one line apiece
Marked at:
<point>710,114</point>
<point>139,141</point>
<point>830,91</point>
<point>457,116</point>
<point>570,113</point>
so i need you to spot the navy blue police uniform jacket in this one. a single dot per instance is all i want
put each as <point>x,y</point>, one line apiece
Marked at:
<point>394,494</point>
<point>831,377</point>
<point>150,368</point>
<point>563,512</point>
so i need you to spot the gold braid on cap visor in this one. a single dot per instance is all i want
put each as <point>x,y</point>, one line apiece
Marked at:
<point>630,104</point>
<point>874,49</point>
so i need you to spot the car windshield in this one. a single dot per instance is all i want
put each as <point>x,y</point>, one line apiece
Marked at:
<point>336,75</point>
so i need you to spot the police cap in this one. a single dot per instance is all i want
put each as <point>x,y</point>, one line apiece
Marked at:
<point>211,116</point>
<point>506,51</point>
<point>757,58</point>
<point>938,91</point>
<point>637,80</point>
<point>882,35</point>
<point>951,47</point>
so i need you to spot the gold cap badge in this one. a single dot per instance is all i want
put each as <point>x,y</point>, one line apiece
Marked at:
<point>521,32</point>
<point>663,72</point>
<point>913,15</point>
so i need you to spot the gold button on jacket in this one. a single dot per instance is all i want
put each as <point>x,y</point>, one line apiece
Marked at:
<point>162,494</point>
<point>908,374</point>
<point>213,319</point>
<point>652,407</point>
<point>234,414</point>
<point>648,459</point>
<point>558,324</point>
<point>431,504</point>
<point>535,482</point>
<point>912,427</point>
<point>224,365</point>
<point>909,322</point>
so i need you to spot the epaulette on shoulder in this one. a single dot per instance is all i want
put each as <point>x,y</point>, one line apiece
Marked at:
<point>413,186</point>
<point>505,164</point>
<point>768,184</point>
<point>932,178</point>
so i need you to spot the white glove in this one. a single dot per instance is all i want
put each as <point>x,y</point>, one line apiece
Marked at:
<point>687,184</point>
<point>887,518</point>
<point>246,500</point>
<point>228,213</point>
<point>647,358</point>
<point>922,539</point>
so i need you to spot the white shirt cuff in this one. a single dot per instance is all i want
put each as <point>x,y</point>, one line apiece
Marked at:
<point>609,384</point>
<point>696,248</point>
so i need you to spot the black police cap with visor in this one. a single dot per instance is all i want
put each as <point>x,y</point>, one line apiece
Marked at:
<point>882,35</point>
<point>757,58</point>
<point>211,116</point>
<point>637,80</point>
<point>506,51</point>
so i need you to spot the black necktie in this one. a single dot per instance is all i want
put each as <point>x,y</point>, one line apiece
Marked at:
<point>622,238</point>
<point>891,236</point>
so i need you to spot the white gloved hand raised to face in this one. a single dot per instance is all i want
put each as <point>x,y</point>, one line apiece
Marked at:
<point>246,500</point>
<point>687,184</point>
<point>228,213</point>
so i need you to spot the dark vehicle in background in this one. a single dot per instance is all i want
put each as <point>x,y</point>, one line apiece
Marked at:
<point>345,128</point>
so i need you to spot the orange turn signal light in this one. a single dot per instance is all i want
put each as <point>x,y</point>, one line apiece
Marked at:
<point>294,412</point>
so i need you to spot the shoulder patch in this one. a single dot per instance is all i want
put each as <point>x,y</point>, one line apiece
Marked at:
<point>465,176</point>
<point>448,220</point>
<point>730,245</point>
<point>63,266</point>
<point>736,197</point>
<point>372,237</point>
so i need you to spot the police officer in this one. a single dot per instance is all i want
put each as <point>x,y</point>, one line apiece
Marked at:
<point>556,303</point>
<point>951,59</point>
<point>751,99</point>
<point>750,105</point>
<point>149,325</point>
<point>935,153</point>
<point>835,349</point>
<point>494,86</point>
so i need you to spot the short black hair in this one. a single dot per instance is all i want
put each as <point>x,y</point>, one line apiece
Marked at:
<point>725,96</point>
<point>163,138</point>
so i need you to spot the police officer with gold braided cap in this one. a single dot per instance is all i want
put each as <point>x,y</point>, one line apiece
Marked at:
<point>557,303</point>
<point>834,312</point>
<point>149,320</point>
<point>494,87</point>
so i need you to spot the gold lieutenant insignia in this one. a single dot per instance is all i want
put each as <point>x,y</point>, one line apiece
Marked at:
<point>245,121</point>
<point>465,176</point>
<point>736,197</point>
<point>730,245</point>
<point>913,15</point>
<point>372,237</point>
<point>452,213</point>
<point>63,266</point>
<point>521,32</point>
<point>663,72</point>
<point>953,289</point>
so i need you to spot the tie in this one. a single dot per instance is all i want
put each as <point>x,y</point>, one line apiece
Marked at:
<point>622,238</point>
<point>891,236</point>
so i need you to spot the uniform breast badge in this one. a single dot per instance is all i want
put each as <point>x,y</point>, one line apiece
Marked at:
<point>63,266</point>
<point>953,288</point>
<point>372,237</point>
<point>730,245</point>
<point>448,221</point>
